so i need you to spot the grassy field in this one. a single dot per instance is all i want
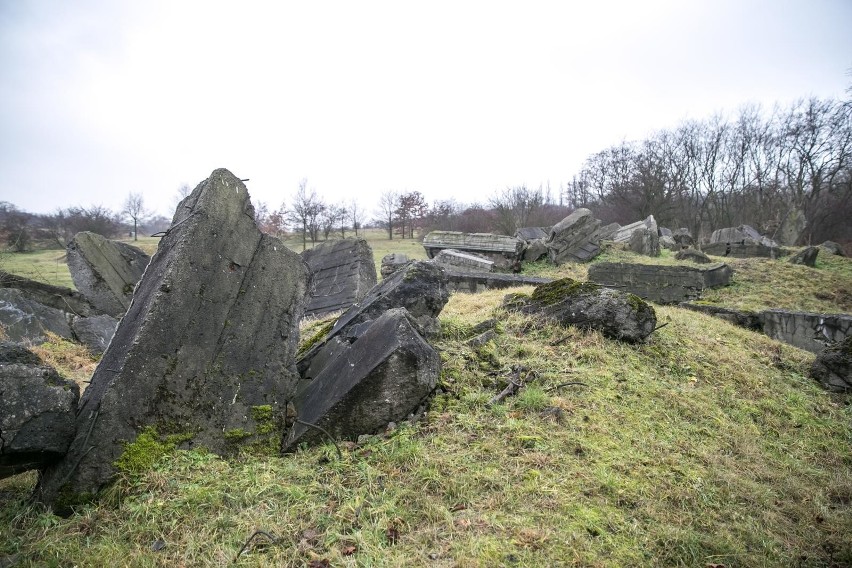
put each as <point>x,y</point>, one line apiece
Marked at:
<point>706,446</point>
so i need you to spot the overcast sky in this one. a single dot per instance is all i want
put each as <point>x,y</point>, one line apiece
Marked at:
<point>456,99</point>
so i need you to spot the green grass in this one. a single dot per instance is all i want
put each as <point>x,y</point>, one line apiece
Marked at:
<point>706,445</point>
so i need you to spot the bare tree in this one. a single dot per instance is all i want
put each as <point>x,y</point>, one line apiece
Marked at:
<point>134,208</point>
<point>305,212</point>
<point>387,210</point>
<point>514,206</point>
<point>355,213</point>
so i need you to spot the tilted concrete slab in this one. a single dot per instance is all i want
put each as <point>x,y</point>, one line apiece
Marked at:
<point>343,272</point>
<point>660,283</point>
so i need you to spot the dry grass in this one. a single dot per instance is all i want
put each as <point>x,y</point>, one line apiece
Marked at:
<point>72,360</point>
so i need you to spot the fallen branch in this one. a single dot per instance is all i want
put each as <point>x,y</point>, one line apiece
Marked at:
<point>659,327</point>
<point>515,384</point>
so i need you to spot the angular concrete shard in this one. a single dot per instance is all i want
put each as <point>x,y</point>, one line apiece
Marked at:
<point>343,272</point>
<point>105,271</point>
<point>833,366</point>
<point>421,288</point>
<point>206,350</point>
<point>473,282</point>
<point>393,262</point>
<point>743,234</point>
<point>616,314</point>
<point>658,283</point>
<point>381,377</point>
<point>625,233</point>
<point>807,256</point>
<point>645,242</point>
<point>25,320</point>
<point>528,234</point>
<point>37,411</point>
<point>668,243</point>
<point>534,250</point>
<point>95,332</point>
<point>575,238</point>
<point>463,261</point>
<point>58,297</point>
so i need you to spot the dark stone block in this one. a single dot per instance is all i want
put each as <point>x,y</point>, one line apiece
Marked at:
<point>343,272</point>
<point>95,332</point>
<point>659,283</point>
<point>806,256</point>
<point>833,366</point>
<point>693,255</point>
<point>57,297</point>
<point>25,320</point>
<point>806,330</point>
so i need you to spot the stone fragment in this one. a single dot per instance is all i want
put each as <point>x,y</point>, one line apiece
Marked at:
<point>58,297</point>
<point>747,319</point>
<point>831,247</point>
<point>37,409</point>
<point>807,256</point>
<point>94,332</point>
<point>693,255</point>
<point>534,250</point>
<point>25,320</point>
<point>393,262</point>
<point>205,352</point>
<point>744,234</point>
<point>625,233</point>
<point>420,288</point>
<point>105,271</point>
<point>660,283</point>
<point>668,243</point>
<point>683,237</point>
<point>616,314</point>
<point>343,272</point>
<point>529,234</point>
<point>744,249</point>
<point>503,250</point>
<point>645,242</point>
<point>383,376</point>
<point>791,228</point>
<point>833,366</point>
<point>463,261</point>
<point>665,232</point>
<point>574,239</point>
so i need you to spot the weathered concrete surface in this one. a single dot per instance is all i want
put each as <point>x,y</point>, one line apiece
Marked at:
<point>575,238</point>
<point>105,271</point>
<point>744,250</point>
<point>421,288</point>
<point>209,338</point>
<point>658,283</point>
<point>693,255</point>
<point>529,234</point>
<point>807,256</point>
<point>37,409</point>
<point>94,332</point>
<point>833,366</point>
<point>393,262</point>
<point>806,330</point>
<point>383,376</point>
<point>645,242</point>
<point>343,272</point>
<point>501,249</point>
<point>26,320</point>
<point>830,247</point>
<point>534,250</point>
<point>625,233</point>
<point>791,228</point>
<point>616,314</point>
<point>667,242</point>
<point>683,237</point>
<point>744,234</point>
<point>452,259</point>
<point>473,283</point>
<point>57,297</point>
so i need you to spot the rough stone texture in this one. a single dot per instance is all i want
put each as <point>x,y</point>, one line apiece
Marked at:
<point>683,237</point>
<point>37,409</point>
<point>665,232</point>
<point>452,259</point>
<point>744,234</point>
<point>831,247</point>
<point>421,288</point>
<point>693,255</point>
<point>667,242</point>
<point>792,227</point>
<point>393,262</point>
<point>625,233</point>
<point>211,334</point>
<point>25,320</point>
<point>503,250</point>
<point>806,256</point>
<point>616,314</point>
<point>833,366</point>
<point>343,272</point>
<point>529,234</point>
<point>744,250</point>
<point>94,332</point>
<point>658,283</point>
<point>383,376</point>
<point>806,330</point>
<point>105,271</point>
<point>644,241</point>
<point>576,238</point>
<point>534,250</point>
<point>57,297</point>
<point>746,319</point>
<point>473,282</point>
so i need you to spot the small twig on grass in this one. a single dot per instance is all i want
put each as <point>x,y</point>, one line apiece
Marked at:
<point>557,387</point>
<point>660,327</point>
<point>515,384</point>
<point>273,539</point>
<point>327,435</point>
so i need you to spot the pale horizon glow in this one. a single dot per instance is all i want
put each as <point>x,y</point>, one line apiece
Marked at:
<point>452,99</point>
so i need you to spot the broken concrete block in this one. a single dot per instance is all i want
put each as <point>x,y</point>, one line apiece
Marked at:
<point>625,233</point>
<point>25,320</point>
<point>343,272</point>
<point>463,261</point>
<point>94,332</point>
<point>206,351</point>
<point>807,256</point>
<point>616,314</point>
<point>529,234</point>
<point>744,249</point>
<point>645,242</point>
<point>693,255</point>
<point>744,234</point>
<point>667,242</point>
<point>534,250</point>
<point>500,249</point>
<point>806,330</point>
<point>659,283</point>
<point>393,262</point>
<point>575,238</point>
<point>58,297</point>
<point>830,247</point>
<point>105,271</point>
<point>382,377</point>
<point>37,409</point>
<point>683,237</point>
<point>833,366</point>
